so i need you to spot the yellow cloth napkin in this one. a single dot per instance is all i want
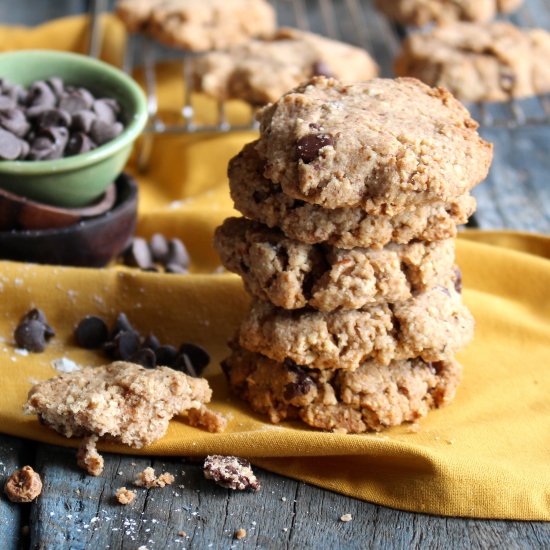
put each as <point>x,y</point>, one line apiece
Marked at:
<point>485,455</point>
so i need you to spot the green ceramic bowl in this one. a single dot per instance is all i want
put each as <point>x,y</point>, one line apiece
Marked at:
<point>79,180</point>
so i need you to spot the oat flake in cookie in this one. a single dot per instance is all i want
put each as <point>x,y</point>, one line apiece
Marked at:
<point>383,145</point>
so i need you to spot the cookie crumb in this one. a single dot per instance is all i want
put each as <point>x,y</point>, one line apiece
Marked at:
<point>345,518</point>
<point>88,458</point>
<point>182,534</point>
<point>125,496</point>
<point>240,533</point>
<point>414,428</point>
<point>149,480</point>
<point>231,472</point>
<point>283,499</point>
<point>23,485</point>
<point>206,419</point>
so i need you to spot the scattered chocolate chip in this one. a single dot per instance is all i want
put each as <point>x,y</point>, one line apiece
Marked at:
<point>92,332</point>
<point>197,355</point>
<point>145,357</point>
<point>30,335</point>
<point>121,323</point>
<point>320,68</point>
<point>166,355</point>
<point>126,344</point>
<point>308,147</point>
<point>159,248</point>
<point>177,253</point>
<point>151,342</point>
<point>10,145</point>
<point>36,314</point>
<point>138,254</point>
<point>230,472</point>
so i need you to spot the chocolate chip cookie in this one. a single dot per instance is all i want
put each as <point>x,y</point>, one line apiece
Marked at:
<point>433,326</point>
<point>371,398</point>
<point>198,25</point>
<point>293,275</point>
<point>421,12</point>
<point>258,198</point>
<point>479,62</point>
<point>383,145</point>
<point>260,71</point>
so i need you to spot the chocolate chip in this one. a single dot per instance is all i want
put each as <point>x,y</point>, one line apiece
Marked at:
<point>177,253</point>
<point>7,102</point>
<point>195,356</point>
<point>102,132</point>
<point>39,98</point>
<point>308,147</point>
<point>320,68</point>
<point>56,84</point>
<point>159,248</point>
<point>126,344</point>
<point>91,332</point>
<point>36,314</point>
<point>151,341</point>
<point>15,122</point>
<point>144,357</point>
<point>260,196</point>
<point>82,121</point>
<point>76,100</point>
<point>138,254</point>
<point>166,356</point>
<point>10,145</point>
<point>106,110</point>
<point>121,323</point>
<point>30,335</point>
<point>79,143</point>
<point>42,148</point>
<point>53,118</point>
<point>302,384</point>
<point>176,269</point>
<point>458,279</point>
<point>25,148</point>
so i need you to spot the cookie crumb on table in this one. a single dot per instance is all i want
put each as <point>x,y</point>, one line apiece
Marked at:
<point>346,517</point>
<point>240,533</point>
<point>23,485</point>
<point>231,472</point>
<point>148,479</point>
<point>125,496</point>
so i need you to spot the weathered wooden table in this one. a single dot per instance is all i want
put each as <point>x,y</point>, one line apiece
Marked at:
<point>77,511</point>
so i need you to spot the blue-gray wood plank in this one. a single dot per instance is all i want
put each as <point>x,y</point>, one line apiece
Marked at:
<point>77,511</point>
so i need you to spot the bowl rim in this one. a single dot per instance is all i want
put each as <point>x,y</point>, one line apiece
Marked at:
<point>131,131</point>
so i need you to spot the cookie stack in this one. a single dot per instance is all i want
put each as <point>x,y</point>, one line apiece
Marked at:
<point>352,195</point>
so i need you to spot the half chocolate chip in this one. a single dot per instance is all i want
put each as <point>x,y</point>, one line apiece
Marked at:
<point>309,146</point>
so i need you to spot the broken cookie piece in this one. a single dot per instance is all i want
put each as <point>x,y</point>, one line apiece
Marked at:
<point>149,480</point>
<point>122,402</point>
<point>231,472</point>
<point>23,485</point>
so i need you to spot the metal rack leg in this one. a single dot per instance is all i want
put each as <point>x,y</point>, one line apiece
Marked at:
<point>95,8</point>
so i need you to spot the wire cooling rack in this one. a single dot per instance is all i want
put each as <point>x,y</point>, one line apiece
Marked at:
<point>354,21</point>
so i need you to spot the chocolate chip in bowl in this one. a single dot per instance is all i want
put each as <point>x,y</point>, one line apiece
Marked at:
<point>67,125</point>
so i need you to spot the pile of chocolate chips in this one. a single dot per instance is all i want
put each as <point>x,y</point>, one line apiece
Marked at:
<point>159,254</point>
<point>33,331</point>
<point>124,343</point>
<point>50,120</point>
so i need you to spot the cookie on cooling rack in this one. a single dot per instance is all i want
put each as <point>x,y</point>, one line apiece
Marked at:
<point>260,199</point>
<point>384,145</point>
<point>199,25</point>
<point>260,71</point>
<point>293,275</point>
<point>479,62</point>
<point>421,12</point>
<point>371,398</point>
<point>433,326</point>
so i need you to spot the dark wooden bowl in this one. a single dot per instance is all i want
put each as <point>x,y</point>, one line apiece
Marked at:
<point>18,212</point>
<point>89,243</point>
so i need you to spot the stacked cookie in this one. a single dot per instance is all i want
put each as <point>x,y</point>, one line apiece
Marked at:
<point>352,193</point>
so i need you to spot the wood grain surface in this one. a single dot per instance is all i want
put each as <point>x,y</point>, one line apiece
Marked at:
<point>77,511</point>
